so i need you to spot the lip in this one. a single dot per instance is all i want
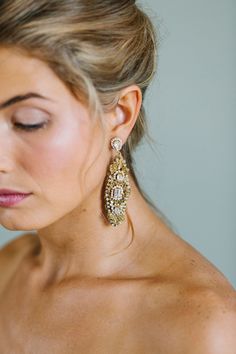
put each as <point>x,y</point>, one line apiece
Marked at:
<point>8,200</point>
<point>11,191</point>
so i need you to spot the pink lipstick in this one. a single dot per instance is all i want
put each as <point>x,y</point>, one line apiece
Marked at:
<point>9,197</point>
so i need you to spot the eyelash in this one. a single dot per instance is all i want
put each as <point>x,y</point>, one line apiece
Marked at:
<point>28,127</point>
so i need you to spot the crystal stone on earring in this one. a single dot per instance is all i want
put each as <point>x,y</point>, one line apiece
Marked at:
<point>117,193</point>
<point>117,210</point>
<point>116,143</point>
<point>120,177</point>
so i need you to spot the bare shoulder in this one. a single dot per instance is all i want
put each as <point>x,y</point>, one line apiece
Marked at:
<point>12,253</point>
<point>208,318</point>
<point>200,303</point>
<point>211,324</point>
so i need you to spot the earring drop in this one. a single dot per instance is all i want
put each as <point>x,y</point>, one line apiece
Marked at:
<point>117,186</point>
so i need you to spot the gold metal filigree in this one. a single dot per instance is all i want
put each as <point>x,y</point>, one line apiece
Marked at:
<point>117,190</point>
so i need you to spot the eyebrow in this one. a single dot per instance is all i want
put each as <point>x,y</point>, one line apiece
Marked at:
<point>20,98</point>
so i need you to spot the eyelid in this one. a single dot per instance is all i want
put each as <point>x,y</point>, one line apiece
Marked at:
<point>28,113</point>
<point>31,127</point>
<point>31,123</point>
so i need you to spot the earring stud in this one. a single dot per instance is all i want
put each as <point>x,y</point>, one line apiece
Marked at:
<point>116,143</point>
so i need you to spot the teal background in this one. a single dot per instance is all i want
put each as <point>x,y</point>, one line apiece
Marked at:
<point>190,170</point>
<point>192,116</point>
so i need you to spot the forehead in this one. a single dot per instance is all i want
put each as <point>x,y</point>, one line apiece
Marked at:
<point>21,73</point>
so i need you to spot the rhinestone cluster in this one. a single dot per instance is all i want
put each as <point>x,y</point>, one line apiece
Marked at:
<point>117,189</point>
<point>116,143</point>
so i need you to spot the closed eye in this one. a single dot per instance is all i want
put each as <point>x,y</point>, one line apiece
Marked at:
<point>30,127</point>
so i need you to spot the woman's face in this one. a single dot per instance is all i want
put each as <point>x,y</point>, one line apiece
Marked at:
<point>62,161</point>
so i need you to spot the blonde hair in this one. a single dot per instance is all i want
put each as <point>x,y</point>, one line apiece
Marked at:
<point>95,47</point>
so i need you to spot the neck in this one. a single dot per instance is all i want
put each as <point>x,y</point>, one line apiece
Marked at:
<point>83,243</point>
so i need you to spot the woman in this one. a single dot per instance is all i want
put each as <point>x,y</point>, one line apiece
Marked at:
<point>103,271</point>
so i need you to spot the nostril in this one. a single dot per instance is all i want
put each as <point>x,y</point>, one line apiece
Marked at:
<point>6,164</point>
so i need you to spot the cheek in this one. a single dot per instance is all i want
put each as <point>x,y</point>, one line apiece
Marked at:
<point>65,164</point>
<point>55,161</point>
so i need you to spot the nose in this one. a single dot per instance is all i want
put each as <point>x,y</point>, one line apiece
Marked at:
<point>6,163</point>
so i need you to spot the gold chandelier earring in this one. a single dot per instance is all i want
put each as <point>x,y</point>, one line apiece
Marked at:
<point>117,186</point>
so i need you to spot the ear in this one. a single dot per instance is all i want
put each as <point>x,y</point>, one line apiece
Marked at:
<point>121,120</point>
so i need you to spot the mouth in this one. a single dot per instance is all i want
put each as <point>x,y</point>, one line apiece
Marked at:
<point>8,200</point>
<point>11,191</point>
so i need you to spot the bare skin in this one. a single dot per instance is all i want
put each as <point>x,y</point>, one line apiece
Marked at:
<point>164,301</point>
<point>78,285</point>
